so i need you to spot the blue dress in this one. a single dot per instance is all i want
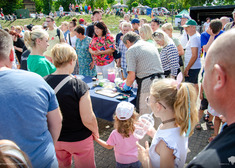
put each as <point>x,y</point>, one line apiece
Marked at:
<point>84,57</point>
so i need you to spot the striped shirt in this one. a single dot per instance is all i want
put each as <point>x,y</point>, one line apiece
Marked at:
<point>170,59</point>
<point>123,49</point>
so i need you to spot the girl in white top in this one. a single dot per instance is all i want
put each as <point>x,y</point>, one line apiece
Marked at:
<point>175,103</point>
<point>71,37</point>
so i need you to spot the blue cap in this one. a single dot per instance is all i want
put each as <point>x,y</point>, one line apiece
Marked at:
<point>135,21</point>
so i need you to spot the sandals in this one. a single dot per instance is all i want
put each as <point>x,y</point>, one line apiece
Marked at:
<point>198,126</point>
<point>210,125</point>
<point>212,137</point>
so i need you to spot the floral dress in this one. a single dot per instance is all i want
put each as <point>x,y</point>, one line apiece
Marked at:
<point>103,43</point>
<point>84,57</point>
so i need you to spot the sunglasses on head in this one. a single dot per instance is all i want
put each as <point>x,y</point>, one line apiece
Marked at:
<point>157,34</point>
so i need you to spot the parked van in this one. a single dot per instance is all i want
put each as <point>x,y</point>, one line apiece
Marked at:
<point>161,11</point>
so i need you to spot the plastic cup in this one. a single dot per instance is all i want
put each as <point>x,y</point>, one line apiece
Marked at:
<point>111,75</point>
<point>145,122</point>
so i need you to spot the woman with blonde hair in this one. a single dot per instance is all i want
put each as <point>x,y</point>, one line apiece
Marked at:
<point>79,121</point>
<point>37,42</point>
<point>169,54</point>
<point>146,33</point>
<point>175,104</point>
<point>168,29</point>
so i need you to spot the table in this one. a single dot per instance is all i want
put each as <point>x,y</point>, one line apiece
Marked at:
<point>104,107</point>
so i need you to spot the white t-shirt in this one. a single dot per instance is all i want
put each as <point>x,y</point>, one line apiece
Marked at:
<point>173,140</point>
<point>61,9</point>
<point>184,39</point>
<point>206,25</point>
<point>73,40</point>
<point>194,41</point>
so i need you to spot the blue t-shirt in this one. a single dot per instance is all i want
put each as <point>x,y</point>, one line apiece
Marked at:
<point>25,100</point>
<point>205,38</point>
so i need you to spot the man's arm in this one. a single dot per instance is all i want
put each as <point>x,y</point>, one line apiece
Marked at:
<point>192,60</point>
<point>130,78</point>
<point>54,121</point>
<point>210,41</point>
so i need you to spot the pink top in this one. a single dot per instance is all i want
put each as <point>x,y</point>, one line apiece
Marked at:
<point>125,149</point>
<point>102,43</point>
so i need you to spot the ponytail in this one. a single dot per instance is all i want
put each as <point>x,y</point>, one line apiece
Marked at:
<point>185,108</point>
<point>31,36</point>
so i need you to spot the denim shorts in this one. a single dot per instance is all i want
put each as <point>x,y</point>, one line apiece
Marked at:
<point>130,165</point>
<point>193,76</point>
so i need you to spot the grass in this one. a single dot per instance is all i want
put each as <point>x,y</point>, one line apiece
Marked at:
<point>111,21</point>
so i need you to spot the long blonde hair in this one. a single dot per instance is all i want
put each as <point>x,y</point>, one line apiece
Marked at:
<point>125,127</point>
<point>181,100</point>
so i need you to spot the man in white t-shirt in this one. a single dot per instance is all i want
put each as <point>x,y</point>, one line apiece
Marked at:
<point>61,9</point>
<point>206,24</point>
<point>184,38</point>
<point>192,53</point>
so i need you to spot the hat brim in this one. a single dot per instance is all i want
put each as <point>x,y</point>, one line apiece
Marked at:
<point>186,25</point>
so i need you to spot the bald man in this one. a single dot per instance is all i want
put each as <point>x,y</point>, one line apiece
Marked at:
<point>224,21</point>
<point>219,82</point>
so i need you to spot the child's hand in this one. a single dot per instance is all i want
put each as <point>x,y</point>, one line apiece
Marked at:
<point>151,131</point>
<point>95,137</point>
<point>143,154</point>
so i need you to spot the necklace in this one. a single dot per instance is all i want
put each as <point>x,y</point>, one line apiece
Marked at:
<point>167,121</point>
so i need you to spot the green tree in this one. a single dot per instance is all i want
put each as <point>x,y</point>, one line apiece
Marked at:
<point>146,2</point>
<point>121,1</point>
<point>101,4</point>
<point>47,5</point>
<point>110,1</point>
<point>134,4</point>
<point>129,3</point>
<point>10,6</point>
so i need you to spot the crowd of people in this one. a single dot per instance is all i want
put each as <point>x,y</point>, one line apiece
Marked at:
<point>48,113</point>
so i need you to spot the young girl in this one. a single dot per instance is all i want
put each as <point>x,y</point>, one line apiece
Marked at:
<point>122,139</point>
<point>37,41</point>
<point>175,104</point>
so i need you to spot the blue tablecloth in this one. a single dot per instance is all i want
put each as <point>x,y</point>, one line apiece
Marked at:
<point>104,106</point>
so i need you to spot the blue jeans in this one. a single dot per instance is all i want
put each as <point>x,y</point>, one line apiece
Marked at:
<point>130,165</point>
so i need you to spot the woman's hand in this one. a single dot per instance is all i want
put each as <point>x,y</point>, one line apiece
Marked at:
<point>143,154</point>
<point>98,52</point>
<point>92,64</point>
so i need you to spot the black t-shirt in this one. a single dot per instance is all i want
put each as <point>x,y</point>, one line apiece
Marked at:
<point>90,30</point>
<point>68,97</point>
<point>24,57</point>
<point>219,153</point>
<point>19,43</point>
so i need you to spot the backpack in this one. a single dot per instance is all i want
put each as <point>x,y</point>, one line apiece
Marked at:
<point>58,33</point>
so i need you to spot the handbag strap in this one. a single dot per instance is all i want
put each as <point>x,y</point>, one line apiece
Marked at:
<point>62,83</point>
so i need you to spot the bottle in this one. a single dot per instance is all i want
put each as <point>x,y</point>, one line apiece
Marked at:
<point>99,76</point>
<point>94,84</point>
<point>146,121</point>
